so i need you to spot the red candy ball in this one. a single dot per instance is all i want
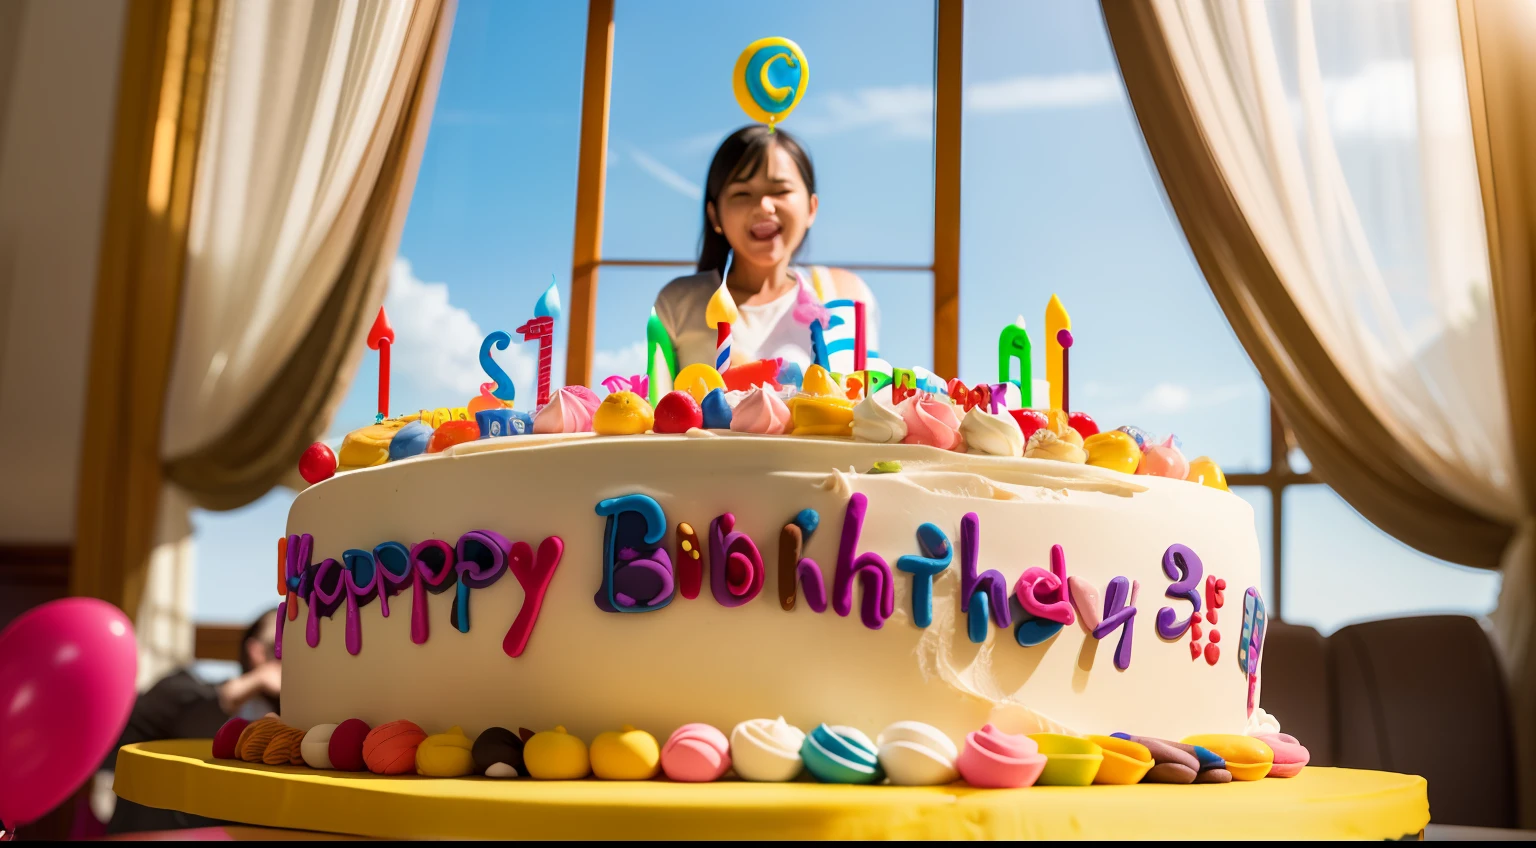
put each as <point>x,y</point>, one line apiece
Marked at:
<point>391,748</point>
<point>346,746</point>
<point>451,433</point>
<point>318,463</point>
<point>225,740</point>
<point>678,412</point>
<point>1029,420</point>
<point>1212,654</point>
<point>1083,423</point>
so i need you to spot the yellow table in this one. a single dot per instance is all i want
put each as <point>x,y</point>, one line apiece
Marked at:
<point>1321,803</point>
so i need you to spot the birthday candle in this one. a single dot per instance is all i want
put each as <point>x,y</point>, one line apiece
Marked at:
<point>661,360</point>
<point>859,352</point>
<point>1056,320</point>
<point>542,327</point>
<point>1013,343</point>
<point>1064,339</point>
<point>380,337</point>
<point>720,314</point>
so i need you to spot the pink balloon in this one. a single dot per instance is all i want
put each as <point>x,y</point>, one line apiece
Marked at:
<point>67,673</point>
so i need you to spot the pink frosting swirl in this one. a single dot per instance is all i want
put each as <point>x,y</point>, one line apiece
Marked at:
<point>696,753</point>
<point>566,412</point>
<point>930,421</point>
<point>998,760</point>
<point>588,398</point>
<point>760,412</point>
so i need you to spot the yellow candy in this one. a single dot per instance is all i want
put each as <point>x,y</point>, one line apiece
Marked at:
<point>556,755</point>
<point>1069,760</point>
<point>368,446</point>
<point>1206,472</point>
<point>626,754</point>
<point>1125,762</point>
<point>698,380</point>
<point>1247,758</point>
<point>1113,449</point>
<point>622,414</point>
<point>820,383</point>
<point>445,754</point>
<point>820,416</point>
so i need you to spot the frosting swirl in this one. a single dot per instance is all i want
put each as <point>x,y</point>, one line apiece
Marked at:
<point>696,753</point>
<point>875,421</point>
<point>998,760</point>
<point>838,754</point>
<point>1045,444</point>
<point>992,435</point>
<point>566,412</point>
<point>930,421</point>
<point>1261,723</point>
<point>760,412</point>
<point>766,749</point>
<point>917,754</point>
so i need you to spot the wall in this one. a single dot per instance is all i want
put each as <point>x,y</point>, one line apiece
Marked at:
<point>58,86</point>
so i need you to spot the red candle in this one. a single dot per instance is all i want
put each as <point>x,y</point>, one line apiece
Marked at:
<point>859,349</point>
<point>1064,338</point>
<point>380,337</point>
<point>542,329</point>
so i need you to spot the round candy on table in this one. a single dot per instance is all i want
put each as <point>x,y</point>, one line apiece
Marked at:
<point>410,441</point>
<point>318,463</point>
<point>225,742</point>
<point>696,753</point>
<point>767,750</point>
<point>1142,437</point>
<point>996,759</point>
<point>1164,461</point>
<point>1246,757</point>
<point>1172,762</point>
<point>917,754</point>
<point>1206,472</point>
<point>445,754</point>
<point>390,748</point>
<point>625,754</point>
<point>677,412</point>
<point>838,754</point>
<point>623,414</point>
<point>346,746</point>
<point>1290,755</point>
<point>316,747</point>
<point>1070,760</point>
<point>451,433</point>
<point>1029,420</point>
<point>1083,423</point>
<point>1114,450</point>
<point>557,755</point>
<point>498,752</point>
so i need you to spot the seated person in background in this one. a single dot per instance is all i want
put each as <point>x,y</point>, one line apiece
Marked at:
<point>759,204</point>
<point>181,706</point>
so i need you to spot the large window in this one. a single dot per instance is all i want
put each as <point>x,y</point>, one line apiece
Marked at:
<point>1057,196</point>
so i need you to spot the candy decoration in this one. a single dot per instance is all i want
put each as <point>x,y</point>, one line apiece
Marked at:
<point>678,412</point>
<point>720,314</point>
<point>226,740</point>
<point>622,414</point>
<point>1070,760</point>
<point>253,740</point>
<point>1064,341</point>
<point>315,748</point>
<point>1164,460</point>
<point>698,380</point>
<point>492,423</point>
<point>1115,450</point>
<point>819,353</point>
<point>500,341</point>
<point>860,362</point>
<point>769,79</point>
<point>380,337</point>
<point>542,327</point>
<point>1030,420</point>
<point>917,754</point>
<point>660,358</point>
<point>936,556</point>
<point>626,754</point>
<point>1083,423</point>
<point>767,750</point>
<point>346,746</point>
<point>1290,756</point>
<point>1206,472</point>
<point>1013,345</point>
<point>411,440</point>
<point>763,372</point>
<point>690,563</point>
<point>716,411</point>
<point>1246,757</point>
<point>453,433</point>
<point>318,463</point>
<point>1125,762</point>
<point>696,753</point>
<point>556,755</point>
<point>791,543</point>
<point>836,754</point>
<point>391,748</point>
<point>498,752</point>
<point>996,759</point>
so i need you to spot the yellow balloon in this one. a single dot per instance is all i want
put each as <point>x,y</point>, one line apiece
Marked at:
<point>756,93</point>
<point>1206,472</point>
<point>698,380</point>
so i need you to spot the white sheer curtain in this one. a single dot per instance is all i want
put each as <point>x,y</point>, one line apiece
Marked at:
<point>1344,132</point>
<point>303,100</point>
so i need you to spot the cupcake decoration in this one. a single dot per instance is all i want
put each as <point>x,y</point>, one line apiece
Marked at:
<point>767,750</point>
<point>994,759</point>
<point>917,754</point>
<point>696,753</point>
<point>839,754</point>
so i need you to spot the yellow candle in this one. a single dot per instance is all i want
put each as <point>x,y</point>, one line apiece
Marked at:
<point>1056,320</point>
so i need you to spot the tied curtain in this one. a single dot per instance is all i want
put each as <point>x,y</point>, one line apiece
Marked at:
<point>294,186</point>
<point>1361,200</point>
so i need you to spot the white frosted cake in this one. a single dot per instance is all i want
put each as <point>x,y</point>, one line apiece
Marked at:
<point>543,580</point>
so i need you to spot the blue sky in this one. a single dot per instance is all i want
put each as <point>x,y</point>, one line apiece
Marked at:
<point>1058,196</point>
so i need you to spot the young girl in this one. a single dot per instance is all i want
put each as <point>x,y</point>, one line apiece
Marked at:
<point>759,203</point>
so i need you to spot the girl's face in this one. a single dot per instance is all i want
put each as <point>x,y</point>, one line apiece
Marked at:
<point>765,215</point>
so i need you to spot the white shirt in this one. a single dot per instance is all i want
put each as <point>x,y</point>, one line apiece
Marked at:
<point>765,331</point>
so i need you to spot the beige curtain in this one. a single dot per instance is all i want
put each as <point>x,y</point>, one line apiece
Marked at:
<point>1501,75</point>
<point>1402,384</point>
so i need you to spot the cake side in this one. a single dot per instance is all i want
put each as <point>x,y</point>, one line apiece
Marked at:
<point>688,660</point>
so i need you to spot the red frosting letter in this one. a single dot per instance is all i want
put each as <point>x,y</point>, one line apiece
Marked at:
<point>533,573</point>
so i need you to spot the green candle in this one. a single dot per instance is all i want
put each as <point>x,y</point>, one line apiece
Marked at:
<point>660,359</point>
<point>1013,344</point>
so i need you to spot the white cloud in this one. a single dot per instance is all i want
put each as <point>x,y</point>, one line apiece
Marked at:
<point>436,354</point>
<point>1165,398</point>
<point>1169,398</point>
<point>907,111</point>
<point>666,176</point>
<point>625,362</point>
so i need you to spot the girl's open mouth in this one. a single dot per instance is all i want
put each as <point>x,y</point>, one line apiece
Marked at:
<point>765,230</point>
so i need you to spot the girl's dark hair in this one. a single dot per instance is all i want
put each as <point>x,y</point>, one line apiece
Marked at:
<point>738,158</point>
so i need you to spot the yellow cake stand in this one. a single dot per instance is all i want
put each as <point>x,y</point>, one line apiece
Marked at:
<point>1320,803</point>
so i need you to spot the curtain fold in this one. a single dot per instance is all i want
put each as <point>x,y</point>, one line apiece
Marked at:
<point>317,120</point>
<point>1301,187</point>
<point>1501,73</point>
